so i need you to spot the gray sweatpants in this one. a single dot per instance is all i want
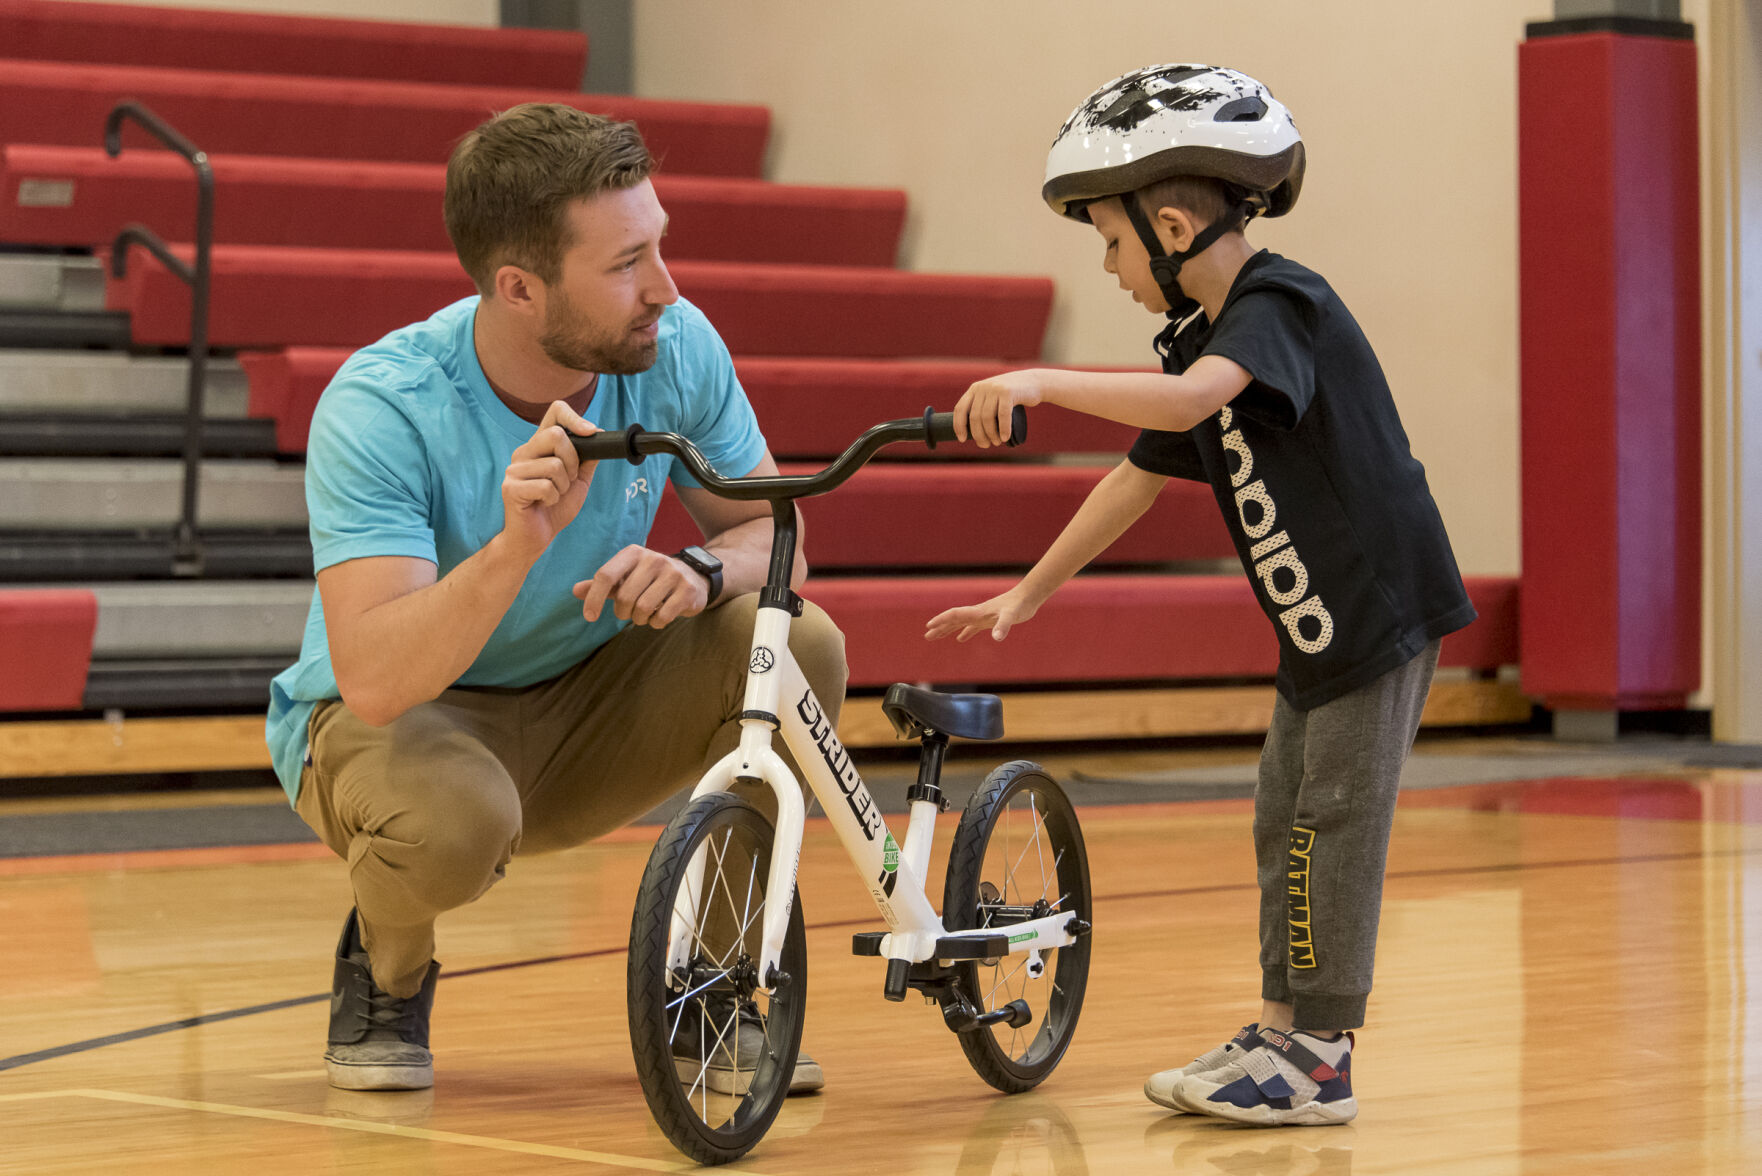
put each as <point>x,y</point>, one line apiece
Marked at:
<point>1322,811</point>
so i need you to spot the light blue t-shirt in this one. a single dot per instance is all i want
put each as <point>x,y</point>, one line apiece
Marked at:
<point>406,455</point>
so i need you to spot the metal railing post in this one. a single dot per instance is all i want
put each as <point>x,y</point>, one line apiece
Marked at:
<point>187,552</point>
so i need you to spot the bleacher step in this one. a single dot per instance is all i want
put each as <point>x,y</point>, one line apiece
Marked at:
<point>273,296</point>
<point>99,383</point>
<point>129,34</point>
<point>69,494</point>
<point>353,204</point>
<point>49,329</point>
<point>341,118</point>
<point>200,619</point>
<point>56,282</point>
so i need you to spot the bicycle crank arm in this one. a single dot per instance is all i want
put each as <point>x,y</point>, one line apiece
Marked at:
<point>958,1015</point>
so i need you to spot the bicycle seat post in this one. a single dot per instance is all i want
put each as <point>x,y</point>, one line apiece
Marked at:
<point>925,800</point>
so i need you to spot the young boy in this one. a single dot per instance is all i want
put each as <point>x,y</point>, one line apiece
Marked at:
<point>1271,394</point>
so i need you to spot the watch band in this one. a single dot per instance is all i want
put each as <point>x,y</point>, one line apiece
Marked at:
<point>705,565</point>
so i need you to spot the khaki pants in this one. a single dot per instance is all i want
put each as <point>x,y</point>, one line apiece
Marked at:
<point>429,809</point>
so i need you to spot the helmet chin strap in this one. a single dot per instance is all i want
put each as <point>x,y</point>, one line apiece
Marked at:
<point>1166,267</point>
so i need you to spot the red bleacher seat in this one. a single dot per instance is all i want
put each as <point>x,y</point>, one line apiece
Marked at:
<point>975,515</point>
<point>129,34</point>
<point>807,407</point>
<point>1101,629</point>
<point>356,204</point>
<point>265,296</point>
<point>45,647</point>
<point>258,114</point>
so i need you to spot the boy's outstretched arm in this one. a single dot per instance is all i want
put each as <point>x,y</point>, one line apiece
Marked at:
<point>1115,504</point>
<point>1148,400</point>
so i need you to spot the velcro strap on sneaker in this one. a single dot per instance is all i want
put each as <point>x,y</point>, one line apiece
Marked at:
<point>1299,1055</point>
<point>1264,1073</point>
<point>1248,1037</point>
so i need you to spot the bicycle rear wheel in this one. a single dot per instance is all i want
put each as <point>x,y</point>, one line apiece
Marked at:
<point>714,1053</point>
<point>1018,854</point>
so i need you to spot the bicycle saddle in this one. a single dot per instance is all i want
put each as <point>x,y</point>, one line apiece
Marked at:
<point>914,711</point>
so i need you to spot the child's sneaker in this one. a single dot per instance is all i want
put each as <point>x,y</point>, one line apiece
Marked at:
<point>1159,1088</point>
<point>1292,1079</point>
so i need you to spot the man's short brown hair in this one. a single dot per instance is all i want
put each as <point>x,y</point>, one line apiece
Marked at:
<point>510,181</point>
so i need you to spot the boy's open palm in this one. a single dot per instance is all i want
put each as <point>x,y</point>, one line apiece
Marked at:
<point>545,482</point>
<point>999,615</point>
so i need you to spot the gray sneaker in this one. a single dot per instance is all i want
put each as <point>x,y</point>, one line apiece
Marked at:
<point>1162,1088</point>
<point>377,1041</point>
<point>723,1044</point>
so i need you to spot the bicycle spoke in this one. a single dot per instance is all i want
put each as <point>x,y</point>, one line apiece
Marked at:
<point>1039,850</point>
<point>991,996</point>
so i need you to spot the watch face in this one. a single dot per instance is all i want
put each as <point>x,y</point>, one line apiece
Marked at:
<point>700,559</point>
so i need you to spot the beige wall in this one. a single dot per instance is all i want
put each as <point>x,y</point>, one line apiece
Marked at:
<point>1409,207</point>
<point>465,12</point>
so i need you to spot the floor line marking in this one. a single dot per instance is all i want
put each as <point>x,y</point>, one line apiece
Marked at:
<point>28,1095</point>
<point>608,1159</point>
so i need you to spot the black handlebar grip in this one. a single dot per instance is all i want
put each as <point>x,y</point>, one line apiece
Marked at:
<point>1018,427</point>
<point>938,426</point>
<point>609,446</point>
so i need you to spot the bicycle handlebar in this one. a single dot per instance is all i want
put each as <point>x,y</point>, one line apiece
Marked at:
<point>634,444</point>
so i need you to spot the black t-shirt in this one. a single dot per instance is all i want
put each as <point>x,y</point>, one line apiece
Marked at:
<point>1328,508</point>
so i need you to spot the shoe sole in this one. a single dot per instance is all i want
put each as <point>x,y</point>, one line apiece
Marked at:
<point>1312,1114</point>
<point>1165,1101</point>
<point>805,1080</point>
<point>346,1077</point>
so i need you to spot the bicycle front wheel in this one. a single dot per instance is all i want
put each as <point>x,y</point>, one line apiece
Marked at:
<point>1018,855</point>
<point>714,1052</point>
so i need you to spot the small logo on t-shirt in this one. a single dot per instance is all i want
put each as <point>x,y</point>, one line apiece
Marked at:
<point>636,486</point>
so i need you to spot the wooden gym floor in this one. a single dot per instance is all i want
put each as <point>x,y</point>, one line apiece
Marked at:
<point>1564,986</point>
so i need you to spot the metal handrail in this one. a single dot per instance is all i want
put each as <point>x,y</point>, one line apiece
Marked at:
<point>187,554</point>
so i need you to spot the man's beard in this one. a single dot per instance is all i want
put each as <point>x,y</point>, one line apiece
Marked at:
<point>573,344</point>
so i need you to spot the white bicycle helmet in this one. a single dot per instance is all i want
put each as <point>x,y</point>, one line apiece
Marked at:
<point>1177,120</point>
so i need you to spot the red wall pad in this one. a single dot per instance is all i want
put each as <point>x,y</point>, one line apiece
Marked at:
<point>807,407</point>
<point>80,196</point>
<point>1611,367</point>
<point>415,122</point>
<point>268,297</point>
<point>975,515</point>
<point>1099,629</point>
<point>128,34</point>
<point>45,647</point>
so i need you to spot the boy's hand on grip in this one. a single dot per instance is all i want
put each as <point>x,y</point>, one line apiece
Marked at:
<point>999,615</point>
<point>983,412</point>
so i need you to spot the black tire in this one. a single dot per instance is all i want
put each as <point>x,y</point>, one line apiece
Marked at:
<point>997,863</point>
<point>713,1127</point>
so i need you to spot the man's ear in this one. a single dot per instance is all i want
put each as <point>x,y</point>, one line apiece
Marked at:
<point>518,290</point>
<point>1176,228</point>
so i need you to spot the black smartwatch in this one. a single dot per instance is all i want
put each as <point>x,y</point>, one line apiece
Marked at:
<point>705,565</point>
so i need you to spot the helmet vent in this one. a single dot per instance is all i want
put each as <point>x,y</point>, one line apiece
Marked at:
<point>1250,109</point>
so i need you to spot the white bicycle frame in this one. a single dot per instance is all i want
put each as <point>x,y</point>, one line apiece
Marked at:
<point>895,875</point>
